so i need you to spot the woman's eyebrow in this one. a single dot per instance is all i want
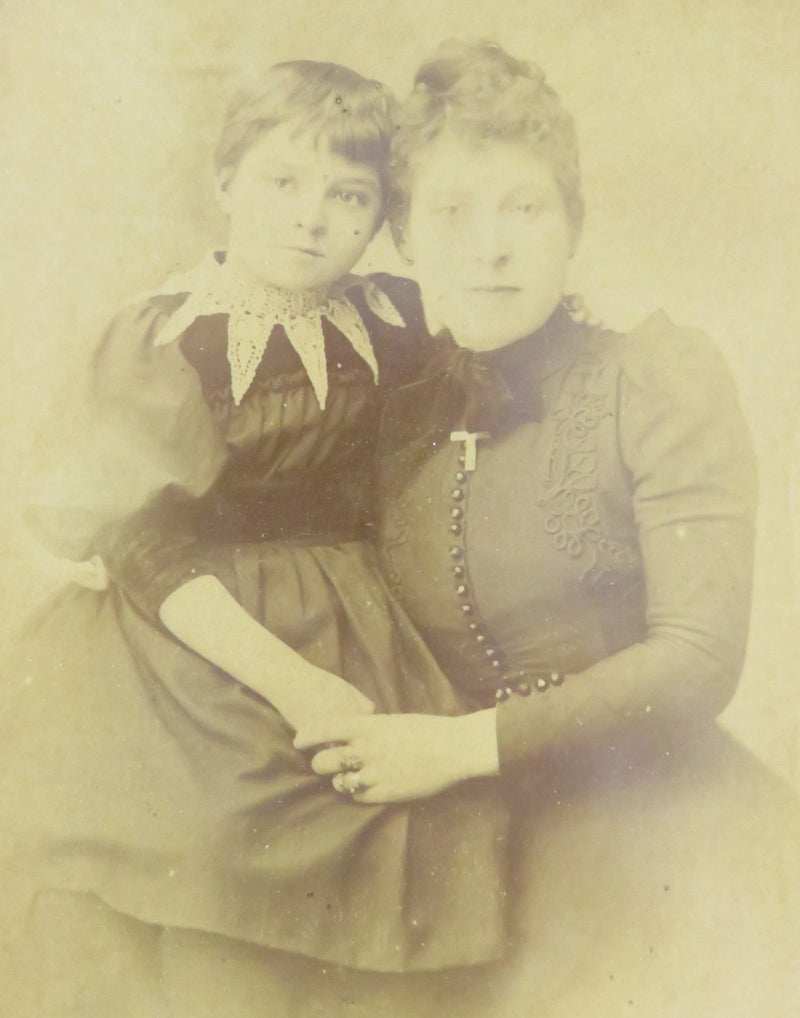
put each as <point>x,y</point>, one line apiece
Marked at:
<point>448,194</point>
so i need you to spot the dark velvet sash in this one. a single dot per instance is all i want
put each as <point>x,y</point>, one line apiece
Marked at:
<point>324,506</point>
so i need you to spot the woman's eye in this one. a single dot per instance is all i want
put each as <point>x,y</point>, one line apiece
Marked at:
<point>280,183</point>
<point>449,211</point>
<point>530,208</point>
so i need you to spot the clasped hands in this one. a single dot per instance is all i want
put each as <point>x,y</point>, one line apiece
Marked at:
<point>382,758</point>
<point>385,757</point>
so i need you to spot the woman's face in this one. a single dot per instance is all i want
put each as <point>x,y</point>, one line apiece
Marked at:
<point>489,238</point>
<point>300,215</point>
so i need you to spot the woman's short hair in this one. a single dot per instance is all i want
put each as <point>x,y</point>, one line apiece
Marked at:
<point>353,115</point>
<point>482,92</point>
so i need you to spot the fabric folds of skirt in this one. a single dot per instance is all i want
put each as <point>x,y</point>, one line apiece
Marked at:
<point>145,775</point>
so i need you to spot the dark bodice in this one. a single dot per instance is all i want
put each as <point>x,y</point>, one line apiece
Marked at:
<point>607,534</point>
<point>276,467</point>
<point>294,470</point>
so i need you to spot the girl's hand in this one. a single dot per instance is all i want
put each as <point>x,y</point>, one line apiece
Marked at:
<point>314,695</point>
<point>397,757</point>
<point>204,616</point>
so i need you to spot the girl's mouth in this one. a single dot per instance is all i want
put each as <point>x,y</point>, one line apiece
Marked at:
<point>311,251</point>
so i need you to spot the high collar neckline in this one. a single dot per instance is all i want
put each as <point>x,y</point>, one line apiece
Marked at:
<point>534,357</point>
<point>254,310</point>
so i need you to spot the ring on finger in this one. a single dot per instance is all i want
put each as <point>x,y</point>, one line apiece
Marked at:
<point>350,761</point>
<point>347,784</point>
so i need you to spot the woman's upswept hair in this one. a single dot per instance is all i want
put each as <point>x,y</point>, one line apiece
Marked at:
<point>483,93</point>
<point>354,116</point>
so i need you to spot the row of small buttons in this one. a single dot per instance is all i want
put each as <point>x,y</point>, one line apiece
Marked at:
<point>522,688</point>
<point>489,649</point>
<point>500,667</point>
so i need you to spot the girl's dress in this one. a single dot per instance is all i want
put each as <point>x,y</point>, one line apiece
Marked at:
<point>598,525</point>
<point>152,779</point>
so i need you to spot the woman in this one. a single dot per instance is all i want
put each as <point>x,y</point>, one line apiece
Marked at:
<point>568,519</point>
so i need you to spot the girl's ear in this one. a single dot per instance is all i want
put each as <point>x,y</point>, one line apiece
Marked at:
<point>402,239</point>
<point>224,179</point>
<point>576,236</point>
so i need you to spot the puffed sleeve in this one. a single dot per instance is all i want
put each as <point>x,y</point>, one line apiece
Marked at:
<point>686,447</point>
<point>144,444</point>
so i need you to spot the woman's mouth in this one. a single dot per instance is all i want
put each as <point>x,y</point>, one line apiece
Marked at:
<point>493,289</point>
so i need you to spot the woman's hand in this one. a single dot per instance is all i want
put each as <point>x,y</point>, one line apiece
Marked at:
<point>314,695</point>
<point>397,757</point>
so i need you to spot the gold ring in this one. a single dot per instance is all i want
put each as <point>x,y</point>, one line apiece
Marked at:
<point>350,762</point>
<point>341,784</point>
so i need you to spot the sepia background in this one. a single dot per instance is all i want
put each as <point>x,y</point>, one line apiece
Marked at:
<point>689,121</point>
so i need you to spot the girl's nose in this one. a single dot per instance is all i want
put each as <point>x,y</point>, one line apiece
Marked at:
<point>312,217</point>
<point>313,227</point>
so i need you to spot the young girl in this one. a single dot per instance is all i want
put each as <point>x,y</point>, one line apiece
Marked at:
<point>153,719</point>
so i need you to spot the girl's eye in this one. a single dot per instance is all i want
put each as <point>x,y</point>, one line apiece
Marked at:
<point>356,198</point>
<point>528,208</point>
<point>449,211</point>
<point>280,183</point>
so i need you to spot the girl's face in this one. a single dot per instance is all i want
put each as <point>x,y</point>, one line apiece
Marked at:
<point>300,215</point>
<point>489,238</point>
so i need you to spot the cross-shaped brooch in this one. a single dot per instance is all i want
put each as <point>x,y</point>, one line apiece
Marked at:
<point>470,440</point>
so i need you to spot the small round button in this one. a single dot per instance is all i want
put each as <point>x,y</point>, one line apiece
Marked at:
<point>556,678</point>
<point>459,572</point>
<point>524,689</point>
<point>461,476</point>
<point>456,552</point>
<point>455,528</point>
<point>502,694</point>
<point>456,513</point>
<point>481,638</point>
<point>457,494</point>
<point>467,609</point>
<point>542,684</point>
<point>462,590</point>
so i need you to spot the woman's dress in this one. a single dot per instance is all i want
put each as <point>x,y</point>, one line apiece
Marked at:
<point>583,561</point>
<point>159,784</point>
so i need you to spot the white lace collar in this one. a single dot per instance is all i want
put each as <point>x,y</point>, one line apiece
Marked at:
<point>253,312</point>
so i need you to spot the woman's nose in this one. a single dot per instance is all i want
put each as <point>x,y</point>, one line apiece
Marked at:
<point>491,244</point>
